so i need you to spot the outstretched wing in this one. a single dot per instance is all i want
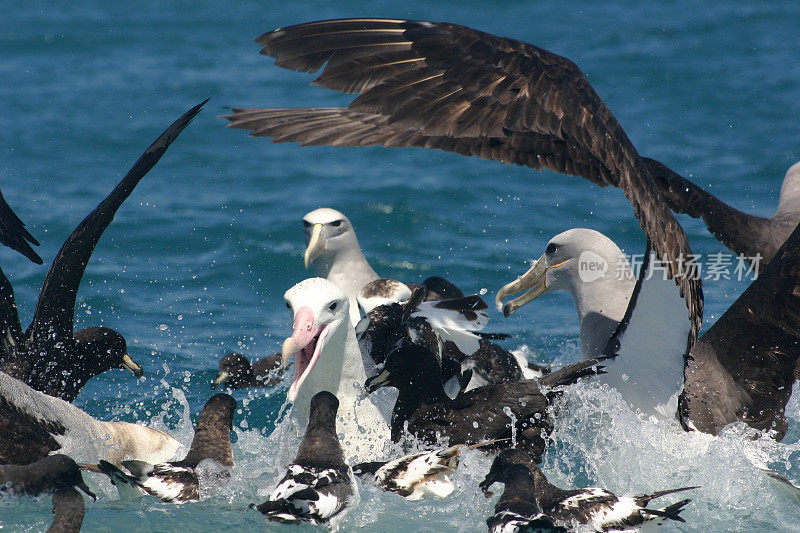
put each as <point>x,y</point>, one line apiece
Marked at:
<point>13,233</point>
<point>446,86</point>
<point>741,232</point>
<point>55,310</point>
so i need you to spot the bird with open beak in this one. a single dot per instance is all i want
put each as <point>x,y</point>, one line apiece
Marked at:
<point>333,249</point>
<point>593,270</point>
<point>327,358</point>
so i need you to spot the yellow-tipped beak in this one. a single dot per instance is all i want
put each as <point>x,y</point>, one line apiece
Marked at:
<point>132,365</point>
<point>316,244</point>
<point>534,279</point>
<point>289,347</point>
<point>221,378</point>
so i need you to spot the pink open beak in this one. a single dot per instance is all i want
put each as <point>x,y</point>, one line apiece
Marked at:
<point>306,343</point>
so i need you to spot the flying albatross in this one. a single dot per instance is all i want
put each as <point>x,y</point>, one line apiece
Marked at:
<point>742,369</point>
<point>50,356</point>
<point>444,86</point>
<point>13,233</point>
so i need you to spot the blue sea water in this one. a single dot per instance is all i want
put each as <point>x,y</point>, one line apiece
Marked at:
<point>197,261</point>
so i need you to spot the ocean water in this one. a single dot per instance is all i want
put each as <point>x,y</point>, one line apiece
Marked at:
<point>197,261</point>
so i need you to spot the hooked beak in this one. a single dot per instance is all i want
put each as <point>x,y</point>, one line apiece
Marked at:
<point>85,488</point>
<point>534,279</point>
<point>376,382</point>
<point>316,244</point>
<point>487,482</point>
<point>306,343</point>
<point>132,365</point>
<point>222,377</point>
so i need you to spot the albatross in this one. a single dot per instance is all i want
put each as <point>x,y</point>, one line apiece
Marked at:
<point>457,89</point>
<point>332,248</point>
<point>741,369</point>
<point>34,425</point>
<point>327,358</point>
<point>49,356</point>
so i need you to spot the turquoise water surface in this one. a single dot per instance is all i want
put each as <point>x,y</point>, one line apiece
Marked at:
<point>197,260</point>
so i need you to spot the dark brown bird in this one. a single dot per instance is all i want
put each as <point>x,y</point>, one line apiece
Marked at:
<point>236,372</point>
<point>50,356</point>
<point>68,511</point>
<point>13,233</point>
<point>444,86</point>
<point>744,367</point>
<point>505,411</point>
<point>45,475</point>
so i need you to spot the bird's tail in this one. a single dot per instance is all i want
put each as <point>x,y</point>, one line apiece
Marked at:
<point>671,512</point>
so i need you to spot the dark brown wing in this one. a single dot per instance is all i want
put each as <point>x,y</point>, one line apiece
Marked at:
<point>23,439</point>
<point>344,127</point>
<point>742,233</point>
<point>13,233</point>
<point>481,414</point>
<point>464,90</point>
<point>10,328</point>
<point>743,368</point>
<point>53,318</point>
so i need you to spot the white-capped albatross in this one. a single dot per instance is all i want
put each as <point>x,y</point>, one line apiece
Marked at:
<point>742,369</point>
<point>449,87</point>
<point>594,271</point>
<point>34,425</point>
<point>332,247</point>
<point>327,358</point>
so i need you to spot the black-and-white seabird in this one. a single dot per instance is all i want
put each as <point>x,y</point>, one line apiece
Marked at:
<point>417,474</point>
<point>594,507</point>
<point>449,329</point>
<point>516,411</point>
<point>205,468</point>
<point>517,510</point>
<point>319,486</point>
<point>45,475</point>
<point>34,425</point>
<point>742,369</point>
<point>327,358</point>
<point>50,356</point>
<point>449,87</point>
<point>13,233</point>
<point>68,511</point>
<point>236,372</point>
<point>748,235</point>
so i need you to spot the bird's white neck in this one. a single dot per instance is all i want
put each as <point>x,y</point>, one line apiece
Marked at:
<point>348,269</point>
<point>601,305</point>
<point>340,370</point>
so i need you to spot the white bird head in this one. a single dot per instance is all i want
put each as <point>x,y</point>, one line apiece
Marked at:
<point>321,315</point>
<point>328,232</point>
<point>572,261</point>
